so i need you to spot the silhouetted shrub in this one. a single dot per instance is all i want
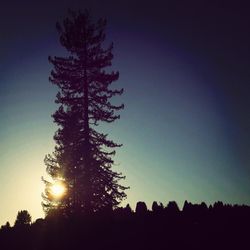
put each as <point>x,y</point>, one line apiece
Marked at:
<point>157,209</point>
<point>128,210</point>
<point>23,218</point>
<point>172,207</point>
<point>6,226</point>
<point>141,208</point>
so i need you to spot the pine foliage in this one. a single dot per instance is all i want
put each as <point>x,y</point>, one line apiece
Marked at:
<point>83,157</point>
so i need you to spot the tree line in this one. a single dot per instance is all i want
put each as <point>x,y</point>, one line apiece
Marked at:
<point>195,226</point>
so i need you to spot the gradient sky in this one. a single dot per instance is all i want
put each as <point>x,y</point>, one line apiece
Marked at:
<point>184,66</point>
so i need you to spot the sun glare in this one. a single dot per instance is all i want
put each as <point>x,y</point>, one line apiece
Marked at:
<point>58,190</point>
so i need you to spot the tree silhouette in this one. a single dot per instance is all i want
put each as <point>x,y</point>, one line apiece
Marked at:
<point>6,226</point>
<point>82,159</point>
<point>141,208</point>
<point>23,218</point>
<point>157,208</point>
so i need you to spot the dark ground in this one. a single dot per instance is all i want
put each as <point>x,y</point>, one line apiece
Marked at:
<point>195,227</point>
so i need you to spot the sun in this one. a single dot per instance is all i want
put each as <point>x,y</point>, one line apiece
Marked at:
<point>57,189</point>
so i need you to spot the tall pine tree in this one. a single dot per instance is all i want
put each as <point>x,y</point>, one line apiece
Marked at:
<point>83,157</point>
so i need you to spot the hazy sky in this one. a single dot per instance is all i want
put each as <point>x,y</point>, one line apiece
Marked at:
<point>184,66</point>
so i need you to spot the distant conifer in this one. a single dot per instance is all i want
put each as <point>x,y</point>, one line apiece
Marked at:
<point>23,218</point>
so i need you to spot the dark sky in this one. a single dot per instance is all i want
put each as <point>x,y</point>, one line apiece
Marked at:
<point>184,68</point>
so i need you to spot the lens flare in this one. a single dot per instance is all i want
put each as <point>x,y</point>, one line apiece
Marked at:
<point>58,189</point>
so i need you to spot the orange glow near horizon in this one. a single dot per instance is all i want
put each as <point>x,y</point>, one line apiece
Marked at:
<point>58,189</point>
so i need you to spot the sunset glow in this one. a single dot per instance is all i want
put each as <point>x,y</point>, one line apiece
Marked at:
<point>58,190</point>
